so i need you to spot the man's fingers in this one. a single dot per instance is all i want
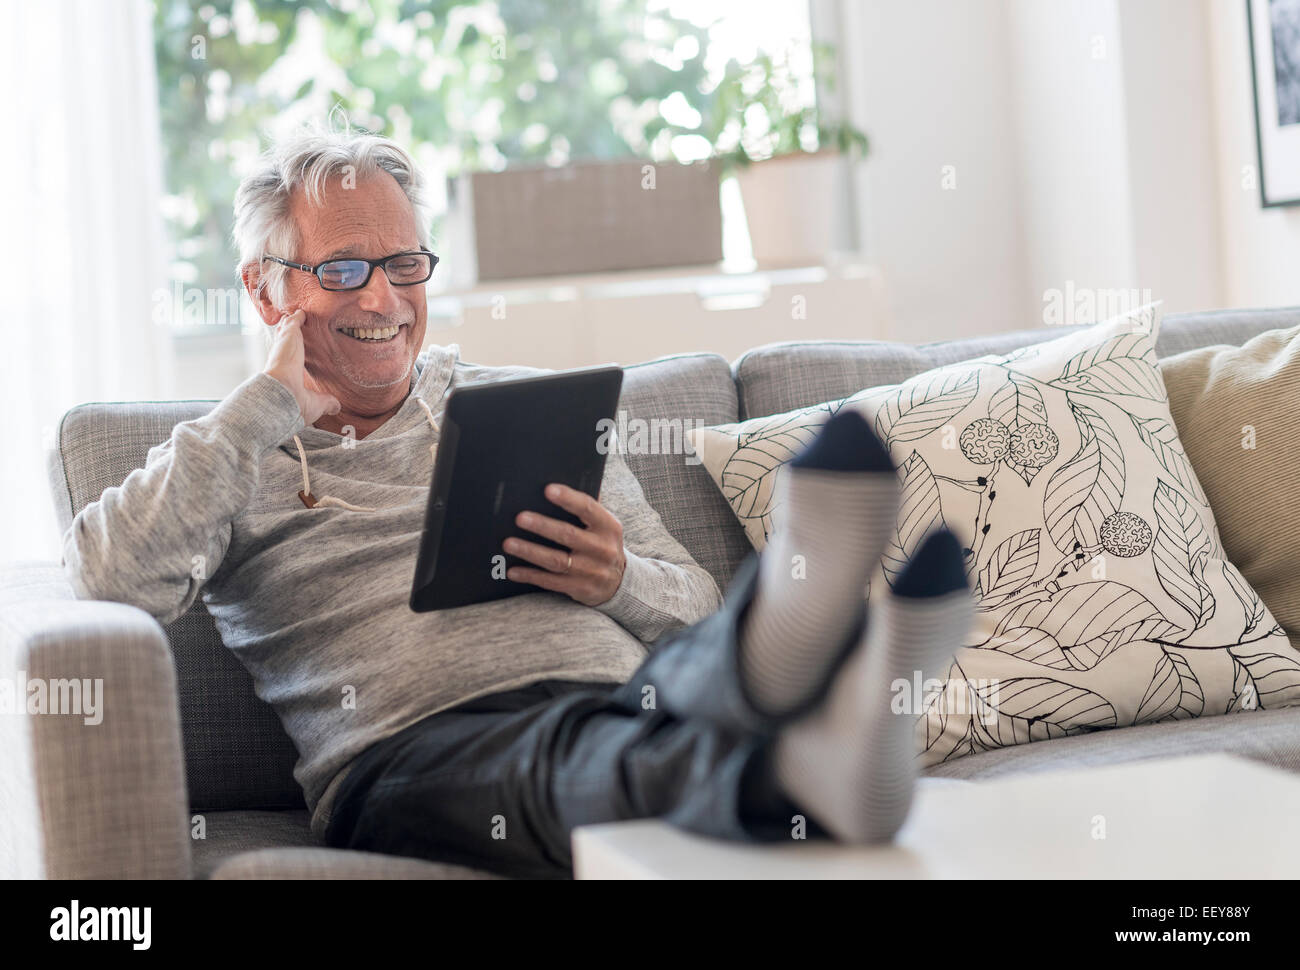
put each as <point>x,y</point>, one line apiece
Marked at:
<point>577,588</point>
<point>556,560</point>
<point>565,533</point>
<point>592,513</point>
<point>555,582</point>
<point>287,332</point>
<point>288,322</point>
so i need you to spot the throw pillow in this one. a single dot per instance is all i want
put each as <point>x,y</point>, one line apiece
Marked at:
<point>1103,594</point>
<point>1235,411</point>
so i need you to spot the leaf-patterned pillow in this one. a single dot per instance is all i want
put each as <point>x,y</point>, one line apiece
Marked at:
<point>1103,595</point>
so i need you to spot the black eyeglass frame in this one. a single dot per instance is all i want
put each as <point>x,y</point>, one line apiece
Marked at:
<point>372,263</point>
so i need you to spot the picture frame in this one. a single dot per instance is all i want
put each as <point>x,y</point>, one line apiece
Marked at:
<point>1273,30</point>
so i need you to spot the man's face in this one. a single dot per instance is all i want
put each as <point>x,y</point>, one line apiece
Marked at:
<point>371,220</point>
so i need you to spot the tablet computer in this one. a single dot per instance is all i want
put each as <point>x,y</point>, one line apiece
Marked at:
<point>501,444</point>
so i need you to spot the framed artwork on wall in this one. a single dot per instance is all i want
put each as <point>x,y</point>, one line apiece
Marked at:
<point>1274,30</point>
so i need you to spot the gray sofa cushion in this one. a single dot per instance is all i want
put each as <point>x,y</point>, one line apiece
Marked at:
<point>696,388</point>
<point>1187,331</point>
<point>230,834</point>
<point>279,845</point>
<point>301,863</point>
<point>784,376</point>
<point>1269,737</point>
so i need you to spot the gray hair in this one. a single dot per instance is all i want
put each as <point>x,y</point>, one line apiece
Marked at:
<point>308,159</point>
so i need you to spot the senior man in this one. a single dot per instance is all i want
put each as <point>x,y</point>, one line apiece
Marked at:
<point>483,735</point>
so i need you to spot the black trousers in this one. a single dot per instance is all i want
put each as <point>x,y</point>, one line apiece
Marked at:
<point>500,782</point>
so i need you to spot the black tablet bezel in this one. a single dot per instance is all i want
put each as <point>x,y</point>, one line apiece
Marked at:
<point>570,404</point>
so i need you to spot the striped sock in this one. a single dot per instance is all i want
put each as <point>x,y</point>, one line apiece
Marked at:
<point>838,500</point>
<point>851,764</point>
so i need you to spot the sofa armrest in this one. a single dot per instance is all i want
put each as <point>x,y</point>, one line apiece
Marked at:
<point>94,787</point>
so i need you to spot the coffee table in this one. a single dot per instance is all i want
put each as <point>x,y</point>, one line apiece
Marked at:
<point>1202,816</point>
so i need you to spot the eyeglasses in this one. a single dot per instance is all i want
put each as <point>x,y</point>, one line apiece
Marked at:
<point>402,269</point>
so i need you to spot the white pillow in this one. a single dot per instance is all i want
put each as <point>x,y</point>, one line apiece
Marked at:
<point>1103,597</point>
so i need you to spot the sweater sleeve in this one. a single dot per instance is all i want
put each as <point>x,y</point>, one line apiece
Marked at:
<point>663,588</point>
<point>154,540</point>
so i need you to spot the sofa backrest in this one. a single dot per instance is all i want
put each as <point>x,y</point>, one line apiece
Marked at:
<point>782,377</point>
<point>238,756</point>
<point>692,390</point>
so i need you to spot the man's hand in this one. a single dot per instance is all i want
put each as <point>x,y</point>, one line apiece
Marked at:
<point>287,364</point>
<point>595,571</point>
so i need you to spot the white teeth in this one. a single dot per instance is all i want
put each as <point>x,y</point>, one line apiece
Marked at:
<point>372,334</point>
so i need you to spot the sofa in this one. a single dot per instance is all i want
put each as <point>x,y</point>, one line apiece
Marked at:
<point>190,774</point>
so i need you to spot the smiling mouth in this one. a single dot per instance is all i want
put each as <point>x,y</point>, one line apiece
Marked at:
<point>379,335</point>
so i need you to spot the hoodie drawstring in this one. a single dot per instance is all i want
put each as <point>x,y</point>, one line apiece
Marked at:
<point>312,502</point>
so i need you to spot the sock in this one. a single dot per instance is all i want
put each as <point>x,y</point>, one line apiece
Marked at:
<point>838,499</point>
<point>851,764</point>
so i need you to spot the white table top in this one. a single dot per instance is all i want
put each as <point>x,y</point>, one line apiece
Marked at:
<point>1202,816</point>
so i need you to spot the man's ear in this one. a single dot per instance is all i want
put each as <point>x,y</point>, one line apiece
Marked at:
<point>251,275</point>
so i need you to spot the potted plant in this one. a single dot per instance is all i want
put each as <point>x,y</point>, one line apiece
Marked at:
<point>790,162</point>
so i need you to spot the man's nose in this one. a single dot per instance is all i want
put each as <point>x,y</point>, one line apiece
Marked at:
<point>379,295</point>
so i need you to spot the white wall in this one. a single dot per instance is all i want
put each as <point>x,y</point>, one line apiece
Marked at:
<point>929,82</point>
<point>1089,141</point>
<point>1117,148</point>
<point>1068,90</point>
<point>1259,248</point>
<point>1173,165</point>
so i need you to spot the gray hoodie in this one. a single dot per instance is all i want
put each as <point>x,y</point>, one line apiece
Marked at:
<point>314,601</point>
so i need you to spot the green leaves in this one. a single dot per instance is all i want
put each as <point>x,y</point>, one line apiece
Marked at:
<point>467,76</point>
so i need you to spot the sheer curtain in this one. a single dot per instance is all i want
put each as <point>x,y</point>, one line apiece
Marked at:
<point>83,240</point>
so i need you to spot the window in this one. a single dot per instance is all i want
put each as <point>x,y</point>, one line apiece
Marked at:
<point>464,85</point>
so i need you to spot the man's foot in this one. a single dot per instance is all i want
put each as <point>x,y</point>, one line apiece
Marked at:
<point>838,500</point>
<point>851,764</point>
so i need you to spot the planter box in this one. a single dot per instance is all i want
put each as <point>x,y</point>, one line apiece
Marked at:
<point>593,217</point>
<point>796,208</point>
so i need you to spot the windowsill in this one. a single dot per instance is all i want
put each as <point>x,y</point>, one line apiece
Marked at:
<point>194,339</point>
<point>575,321</point>
<point>720,284</point>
